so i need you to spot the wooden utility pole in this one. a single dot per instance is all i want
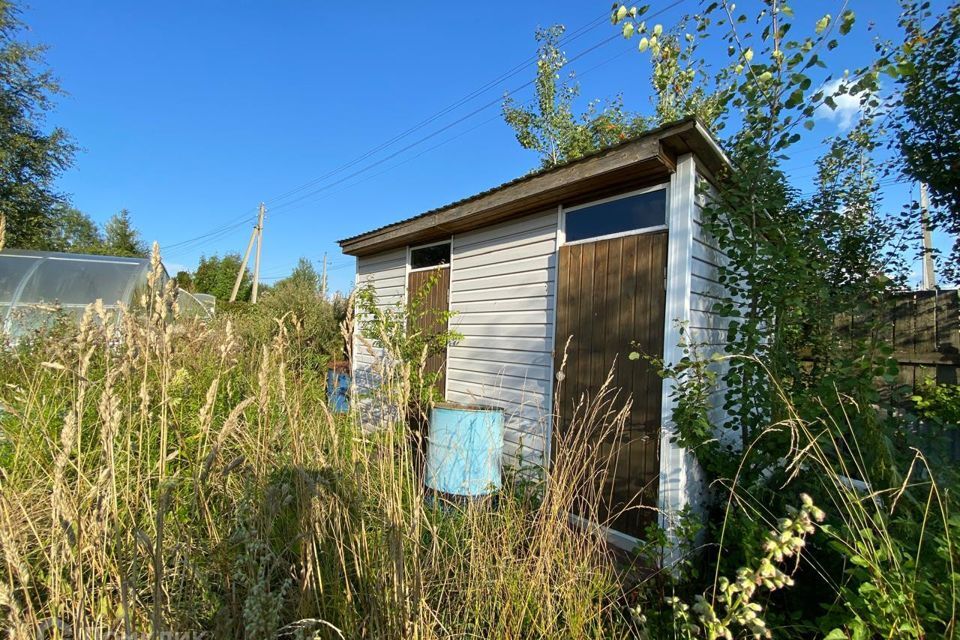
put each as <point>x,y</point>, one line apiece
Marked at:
<point>255,235</point>
<point>323,278</point>
<point>929,277</point>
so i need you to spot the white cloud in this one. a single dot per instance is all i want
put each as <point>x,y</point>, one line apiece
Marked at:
<point>848,106</point>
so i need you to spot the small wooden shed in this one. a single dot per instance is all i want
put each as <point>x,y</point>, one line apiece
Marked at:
<point>608,249</point>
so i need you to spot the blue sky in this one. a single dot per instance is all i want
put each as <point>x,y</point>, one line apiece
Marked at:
<point>190,114</point>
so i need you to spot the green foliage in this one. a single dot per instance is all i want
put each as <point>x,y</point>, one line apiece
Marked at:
<point>120,238</point>
<point>216,275</point>
<point>184,280</point>
<point>410,333</point>
<point>550,127</point>
<point>172,478</point>
<point>75,232</point>
<point>297,300</point>
<point>679,76</point>
<point>809,403</point>
<point>938,403</point>
<point>927,109</point>
<point>31,157</point>
<point>731,608</point>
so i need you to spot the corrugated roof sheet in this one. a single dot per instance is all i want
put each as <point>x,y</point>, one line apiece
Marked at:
<point>529,176</point>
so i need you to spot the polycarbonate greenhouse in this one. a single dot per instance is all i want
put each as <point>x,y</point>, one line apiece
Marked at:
<point>36,285</point>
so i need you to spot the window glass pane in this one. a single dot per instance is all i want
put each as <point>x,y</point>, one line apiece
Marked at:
<point>430,256</point>
<point>616,216</point>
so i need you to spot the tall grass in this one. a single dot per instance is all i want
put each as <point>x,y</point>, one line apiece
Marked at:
<point>163,476</point>
<point>158,476</point>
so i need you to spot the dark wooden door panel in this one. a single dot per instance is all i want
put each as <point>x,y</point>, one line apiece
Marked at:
<point>611,301</point>
<point>432,321</point>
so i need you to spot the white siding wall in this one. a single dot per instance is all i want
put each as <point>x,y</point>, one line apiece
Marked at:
<point>708,329</point>
<point>387,273</point>
<point>693,287</point>
<point>502,288</point>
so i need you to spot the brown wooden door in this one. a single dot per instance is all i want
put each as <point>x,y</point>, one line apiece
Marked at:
<point>610,297</point>
<point>432,321</point>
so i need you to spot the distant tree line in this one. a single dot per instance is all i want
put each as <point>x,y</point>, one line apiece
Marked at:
<point>75,232</point>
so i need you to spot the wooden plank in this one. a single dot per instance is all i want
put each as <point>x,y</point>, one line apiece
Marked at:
<point>616,298</point>
<point>599,360</point>
<point>645,321</point>
<point>705,253</point>
<point>436,301</point>
<point>927,358</point>
<point>925,328</point>
<point>660,295</point>
<point>537,316</point>
<point>948,321</point>
<point>514,370</point>
<point>382,261</point>
<point>903,314</point>
<point>487,351</point>
<point>511,343</point>
<point>532,239</point>
<point>499,395</point>
<point>628,332</point>
<point>579,383</point>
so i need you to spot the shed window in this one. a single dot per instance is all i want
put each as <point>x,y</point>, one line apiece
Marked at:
<point>640,211</point>
<point>433,256</point>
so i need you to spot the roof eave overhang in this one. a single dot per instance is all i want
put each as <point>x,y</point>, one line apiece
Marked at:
<point>643,161</point>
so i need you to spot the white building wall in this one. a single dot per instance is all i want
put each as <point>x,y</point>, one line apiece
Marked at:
<point>708,328</point>
<point>502,289</point>
<point>693,269</point>
<point>387,274</point>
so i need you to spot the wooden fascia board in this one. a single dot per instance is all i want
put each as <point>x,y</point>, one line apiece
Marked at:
<point>571,179</point>
<point>653,156</point>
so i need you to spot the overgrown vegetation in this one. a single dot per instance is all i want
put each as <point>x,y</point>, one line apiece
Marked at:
<point>159,475</point>
<point>810,408</point>
<point>550,126</point>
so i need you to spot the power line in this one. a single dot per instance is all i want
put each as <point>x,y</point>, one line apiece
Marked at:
<point>444,128</point>
<point>186,246</point>
<point>451,139</point>
<point>471,114</point>
<point>452,107</point>
<point>193,243</point>
<point>218,232</point>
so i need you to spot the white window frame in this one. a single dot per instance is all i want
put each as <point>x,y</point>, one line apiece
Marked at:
<point>665,186</point>
<point>412,248</point>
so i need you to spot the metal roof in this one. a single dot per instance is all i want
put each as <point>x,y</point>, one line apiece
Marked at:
<point>687,135</point>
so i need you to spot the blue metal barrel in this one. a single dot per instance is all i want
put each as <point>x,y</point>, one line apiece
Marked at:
<point>338,387</point>
<point>464,449</point>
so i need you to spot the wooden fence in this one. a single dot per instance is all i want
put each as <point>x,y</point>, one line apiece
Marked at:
<point>924,329</point>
